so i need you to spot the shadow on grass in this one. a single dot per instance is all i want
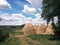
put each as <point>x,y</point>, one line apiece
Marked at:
<point>45,37</point>
<point>2,39</point>
<point>57,38</point>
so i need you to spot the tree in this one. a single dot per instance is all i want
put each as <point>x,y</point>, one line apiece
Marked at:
<point>50,9</point>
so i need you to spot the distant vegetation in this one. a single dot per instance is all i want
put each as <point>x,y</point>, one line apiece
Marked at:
<point>5,30</point>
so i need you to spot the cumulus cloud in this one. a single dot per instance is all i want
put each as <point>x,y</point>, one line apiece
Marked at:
<point>19,19</point>
<point>19,16</point>
<point>38,15</point>
<point>13,19</point>
<point>36,21</point>
<point>4,4</point>
<point>29,10</point>
<point>36,3</point>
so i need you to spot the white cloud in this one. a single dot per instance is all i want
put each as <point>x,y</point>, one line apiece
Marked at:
<point>38,21</point>
<point>28,20</point>
<point>4,4</point>
<point>38,15</point>
<point>19,16</point>
<point>55,19</point>
<point>19,19</point>
<point>13,19</point>
<point>29,10</point>
<point>36,3</point>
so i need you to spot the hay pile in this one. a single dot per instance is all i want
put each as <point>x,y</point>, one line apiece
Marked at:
<point>35,28</point>
<point>49,30</point>
<point>41,29</point>
<point>28,29</point>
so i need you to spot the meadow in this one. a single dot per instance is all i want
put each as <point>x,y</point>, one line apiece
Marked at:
<point>17,37</point>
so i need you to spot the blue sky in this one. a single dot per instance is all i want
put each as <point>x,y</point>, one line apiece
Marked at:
<point>17,12</point>
<point>17,6</point>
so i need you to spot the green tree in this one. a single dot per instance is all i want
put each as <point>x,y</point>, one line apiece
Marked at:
<point>50,9</point>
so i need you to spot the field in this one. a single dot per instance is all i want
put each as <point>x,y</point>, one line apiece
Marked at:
<point>17,37</point>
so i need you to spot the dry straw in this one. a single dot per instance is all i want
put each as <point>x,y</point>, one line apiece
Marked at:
<point>49,30</point>
<point>28,29</point>
<point>41,29</point>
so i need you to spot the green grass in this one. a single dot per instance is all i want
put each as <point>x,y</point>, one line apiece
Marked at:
<point>11,41</point>
<point>44,39</point>
<point>28,42</point>
<point>20,33</point>
<point>36,39</point>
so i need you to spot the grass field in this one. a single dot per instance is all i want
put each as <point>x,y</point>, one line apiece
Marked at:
<point>17,37</point>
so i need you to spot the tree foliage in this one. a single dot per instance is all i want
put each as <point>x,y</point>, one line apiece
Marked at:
<point>50,9</point>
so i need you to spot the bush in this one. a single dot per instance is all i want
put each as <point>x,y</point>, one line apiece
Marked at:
<point>3,33</point>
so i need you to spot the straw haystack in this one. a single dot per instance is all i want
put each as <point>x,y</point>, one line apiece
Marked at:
<point>41,29</point>
<point>35,28</point>
<point>28,29</point>
<point>49,30</point>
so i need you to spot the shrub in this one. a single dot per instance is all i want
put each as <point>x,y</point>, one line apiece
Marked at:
<point>3,33</point>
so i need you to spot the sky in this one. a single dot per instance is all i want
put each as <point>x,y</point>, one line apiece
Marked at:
<point>18,12</point>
